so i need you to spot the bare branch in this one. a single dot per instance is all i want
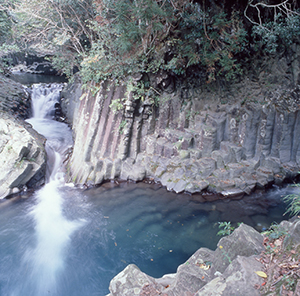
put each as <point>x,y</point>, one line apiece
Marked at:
<point>282,7</point>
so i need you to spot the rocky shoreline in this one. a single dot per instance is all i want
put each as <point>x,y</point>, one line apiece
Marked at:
<point>224,148</point>
<point>236,267</point>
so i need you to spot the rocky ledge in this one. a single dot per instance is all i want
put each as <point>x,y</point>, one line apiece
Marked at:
<point>22,149</point>
<point>229,270</point>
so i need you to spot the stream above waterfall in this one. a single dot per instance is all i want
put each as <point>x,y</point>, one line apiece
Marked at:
<point>65,241</point>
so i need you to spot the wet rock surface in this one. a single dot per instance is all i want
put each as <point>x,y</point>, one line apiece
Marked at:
<point>22,153</point>
<point>14,99</point>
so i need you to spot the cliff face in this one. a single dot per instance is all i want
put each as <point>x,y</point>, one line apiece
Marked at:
<point>227,142</point>
<point>13,98</point>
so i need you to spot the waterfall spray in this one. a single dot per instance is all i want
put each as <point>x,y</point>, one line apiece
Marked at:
<point>52,229</point>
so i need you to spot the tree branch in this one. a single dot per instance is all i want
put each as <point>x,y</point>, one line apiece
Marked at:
<point>283,7</point>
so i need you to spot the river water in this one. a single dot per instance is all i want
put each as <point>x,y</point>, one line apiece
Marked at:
<point>65,241</point>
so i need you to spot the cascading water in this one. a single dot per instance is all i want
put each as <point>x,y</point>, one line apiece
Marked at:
<point>45,261</point>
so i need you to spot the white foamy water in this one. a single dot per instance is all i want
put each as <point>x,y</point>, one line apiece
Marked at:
<point>43,99</point>
<point>53,230</point>
<point>53,235</point>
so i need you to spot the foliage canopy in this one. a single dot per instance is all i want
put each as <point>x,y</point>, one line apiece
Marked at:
<point>119,38</point>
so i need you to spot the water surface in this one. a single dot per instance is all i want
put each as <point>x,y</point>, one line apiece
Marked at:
<point>108,228</point>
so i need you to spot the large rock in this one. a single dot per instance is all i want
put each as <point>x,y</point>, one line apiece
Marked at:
<point>238,279</point>
<point>35,63</point>
<point>131,281</point>
<point>22,155</point>
<point>229,270</point>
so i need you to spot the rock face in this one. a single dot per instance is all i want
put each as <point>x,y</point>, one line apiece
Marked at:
<point>22,155</point>
<point>229,270</point>
<point>219,143</point>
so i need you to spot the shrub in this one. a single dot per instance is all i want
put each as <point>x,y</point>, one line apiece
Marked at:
<point>293,201</point>
<point>279,34</point>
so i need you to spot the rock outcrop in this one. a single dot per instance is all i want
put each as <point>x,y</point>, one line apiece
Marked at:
<point>229,270</point>
<point>35,63</point>
<point>217,143</point>
<point>22,156</point>
<point>244,263</point>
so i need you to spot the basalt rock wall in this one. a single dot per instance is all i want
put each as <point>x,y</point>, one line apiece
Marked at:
<point>229,141</point>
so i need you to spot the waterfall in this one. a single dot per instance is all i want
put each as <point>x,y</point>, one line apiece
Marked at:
<point>43,99</point>
<point>45,260</point>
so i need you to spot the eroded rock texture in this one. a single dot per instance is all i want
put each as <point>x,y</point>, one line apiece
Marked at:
<point>234,268</point>
<point>13,98</point>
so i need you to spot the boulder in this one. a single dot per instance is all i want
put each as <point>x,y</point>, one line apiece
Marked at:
<point>293,239</point>
<point>131,281</point>
<point>238,279</point>
<point>22,156</point>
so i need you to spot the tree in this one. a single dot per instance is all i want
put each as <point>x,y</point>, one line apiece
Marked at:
<point>275,25</point>
<point>118,38</point>
<point>56,27</point>
<point>7,45</point>
<point>148,36</point>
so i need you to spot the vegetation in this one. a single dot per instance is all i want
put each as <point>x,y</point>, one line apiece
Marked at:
<point>274,231</point>
<point>225,228</point>
<point>6,24</point>
<point>293,201</point>
<point>151,36</point>
<point>280,262</point>
<point>114,39</point>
